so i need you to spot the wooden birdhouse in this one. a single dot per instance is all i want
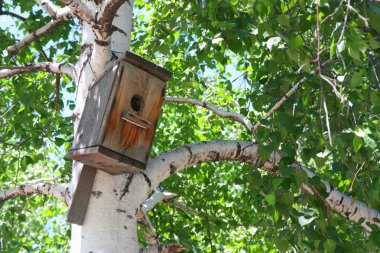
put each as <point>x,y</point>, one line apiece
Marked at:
<point>118,123</point>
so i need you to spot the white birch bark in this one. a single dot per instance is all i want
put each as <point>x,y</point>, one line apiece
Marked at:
<point>110,224</point>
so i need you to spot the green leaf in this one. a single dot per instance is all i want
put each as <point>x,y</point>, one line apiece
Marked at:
<point>370,142</point>
<point>329,245</point>
<point>296,42</point>
<point>270,198</point>
<point>283,19</point>
<point>286,171</point>
<point>357,143</point>
<point>286,198</point>
<point>332,48</point>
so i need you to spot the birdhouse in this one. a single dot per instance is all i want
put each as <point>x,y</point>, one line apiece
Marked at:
<point>118,123</point>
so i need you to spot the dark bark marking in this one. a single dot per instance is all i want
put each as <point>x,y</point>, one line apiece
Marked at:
<point>341,200</point>
<point>189,149</point>
<point>213,155</point>
<point>191,154</point>
<point>129,216</point>
<point>120,210</point>
<point>356,209</point>
<point>238,149</point>
<point>250,145</point>
<point>125,227</point>
<point>163,159</point>
<point>347,214</point>
<point>331,188</point>
<point>117,29</point>
<point>147,179</point>
<point>126,187</point>
<point>101,43</point>
<point>173,169</point>
<point>96,194</point>
<point>256,163</point>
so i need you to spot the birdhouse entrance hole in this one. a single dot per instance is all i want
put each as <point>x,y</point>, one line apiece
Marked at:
<point>137,103</point>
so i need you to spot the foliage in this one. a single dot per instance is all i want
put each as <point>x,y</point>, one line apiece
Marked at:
<point>242,56</point>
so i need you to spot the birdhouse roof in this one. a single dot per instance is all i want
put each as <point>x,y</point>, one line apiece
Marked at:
<point>146,65</point>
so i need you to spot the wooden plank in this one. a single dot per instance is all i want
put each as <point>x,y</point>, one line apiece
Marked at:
<point>81,196</point>
<point>93,112</point>
<point>107,160</point>
<point>107,111</point>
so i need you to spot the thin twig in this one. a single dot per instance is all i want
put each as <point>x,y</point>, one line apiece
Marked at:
<point>280,103</point>
<point>333,13</point>
<point>57,88</point>
<point>356,173</point>
<point>341,35</point>
<point>12,14</point>
<point>242,74</point>
<point>373,67</point>
<point>333,85</point>
<point>327,119</point>
<point>230,115</point>
<point>365,20</point>
<point>182,207</point>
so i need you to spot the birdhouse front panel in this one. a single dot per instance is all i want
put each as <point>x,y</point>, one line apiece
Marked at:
<point>134,113</point>
<point>117,126</point>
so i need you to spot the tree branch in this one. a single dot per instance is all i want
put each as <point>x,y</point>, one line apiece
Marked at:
<point>12,14</point>
<point>344,205</point>
<point>39,66</point>
<point>81,11</point>
<point>46,29</point>
<point>168,163</point>
<point>279,103</point>
<point>52,9</point>
<point>230,115</point>
<point>156,197</point>
<point>164,248</point>
<point>106,16</point>
<point>147,228</point>
<point>56,191</point>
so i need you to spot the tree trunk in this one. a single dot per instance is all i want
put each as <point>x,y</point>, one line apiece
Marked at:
<point>110,223</point>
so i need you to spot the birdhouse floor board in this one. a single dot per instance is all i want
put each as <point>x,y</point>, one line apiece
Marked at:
<point>107,160</point>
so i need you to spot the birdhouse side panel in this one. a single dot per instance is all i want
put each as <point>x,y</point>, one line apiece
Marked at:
<point>134,113</point>
<point>94,111</point>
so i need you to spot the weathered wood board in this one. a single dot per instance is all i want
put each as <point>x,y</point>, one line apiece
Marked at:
<point>80,198</point>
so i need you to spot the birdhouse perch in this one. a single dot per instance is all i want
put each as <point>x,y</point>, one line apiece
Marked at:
<point>118,123</point>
